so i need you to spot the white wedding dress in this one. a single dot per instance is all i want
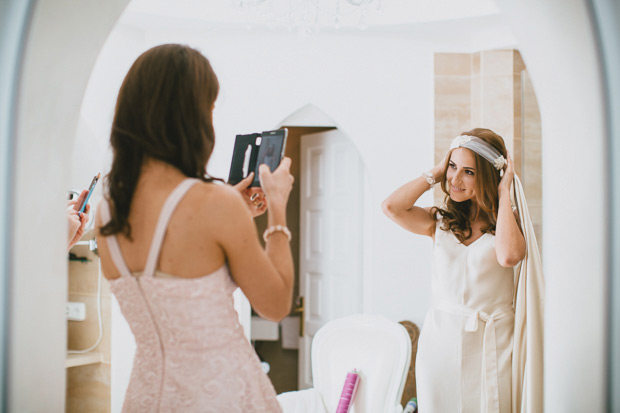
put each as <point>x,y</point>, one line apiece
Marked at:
<point>464,359</point>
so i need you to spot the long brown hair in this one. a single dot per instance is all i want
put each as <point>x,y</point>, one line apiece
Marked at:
<point>456,215</point>
<point>164,112</point>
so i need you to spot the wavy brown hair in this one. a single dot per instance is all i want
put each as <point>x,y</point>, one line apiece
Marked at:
<point>456,215</point>
<point>164,112</point>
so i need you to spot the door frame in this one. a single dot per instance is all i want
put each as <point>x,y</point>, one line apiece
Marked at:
<point>15,18</point>
<point>606,15</point>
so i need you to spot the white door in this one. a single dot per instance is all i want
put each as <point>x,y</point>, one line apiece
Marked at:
<point>331,211</point>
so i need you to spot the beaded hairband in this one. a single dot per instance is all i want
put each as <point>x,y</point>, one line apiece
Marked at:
<point>481,148</point>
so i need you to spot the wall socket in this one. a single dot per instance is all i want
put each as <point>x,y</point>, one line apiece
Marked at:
<point>76,311</point>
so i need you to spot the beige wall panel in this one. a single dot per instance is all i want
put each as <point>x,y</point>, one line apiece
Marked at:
<point>497,62</point>
<point>452,88</point>
<point>83,275</point>
<point>83,334</point>
<point>497,106</point>
<point>476,101</point>
<point>88,389</point>
<point>475,64</point>
<point>452,105</point>
<point>452,64</point>
<point>517,105</point>
<point>517,156</point>
<point>531,178</point>
<point>518,64</point>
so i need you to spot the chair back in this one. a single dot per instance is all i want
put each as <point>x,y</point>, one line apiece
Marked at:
<point>380,349</point>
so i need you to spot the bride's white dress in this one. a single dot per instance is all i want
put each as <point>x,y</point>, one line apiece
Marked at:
<point>464,354</point>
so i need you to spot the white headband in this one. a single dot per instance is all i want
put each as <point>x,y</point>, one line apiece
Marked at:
<point>481,148</point>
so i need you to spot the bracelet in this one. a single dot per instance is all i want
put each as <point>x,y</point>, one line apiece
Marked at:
<point>429,178</point>
<point>276,228</point>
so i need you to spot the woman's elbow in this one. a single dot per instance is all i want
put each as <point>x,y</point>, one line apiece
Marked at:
<point>388,208</point>
<point>277,311</point>
<point>510,260</point>
<point>282,312</point>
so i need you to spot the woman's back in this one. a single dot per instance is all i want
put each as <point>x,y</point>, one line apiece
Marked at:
<point>191,230</point>
<point>192,354</point>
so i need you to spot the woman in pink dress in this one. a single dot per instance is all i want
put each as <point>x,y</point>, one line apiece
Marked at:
<point>175,245</point>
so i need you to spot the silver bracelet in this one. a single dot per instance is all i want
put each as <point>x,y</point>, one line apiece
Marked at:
<point>277,228</point>
<point>429,178</point>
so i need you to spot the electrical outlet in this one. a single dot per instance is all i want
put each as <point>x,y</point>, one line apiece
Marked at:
<point>76,311</point>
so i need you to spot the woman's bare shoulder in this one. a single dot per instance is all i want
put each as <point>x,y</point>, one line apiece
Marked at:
<point>214,198</point>
<point>222,192</point>
<point>221,211</point>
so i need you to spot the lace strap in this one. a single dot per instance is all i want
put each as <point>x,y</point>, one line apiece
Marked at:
<point>162,223</point>
<point>112,240</point>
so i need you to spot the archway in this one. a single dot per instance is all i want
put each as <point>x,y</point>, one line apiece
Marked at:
<point>326,217</point>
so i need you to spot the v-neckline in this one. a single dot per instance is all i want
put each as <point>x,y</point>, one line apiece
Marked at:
<point>472,243</point>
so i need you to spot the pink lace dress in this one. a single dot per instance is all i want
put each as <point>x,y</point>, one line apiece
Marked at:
<point>192,354</point>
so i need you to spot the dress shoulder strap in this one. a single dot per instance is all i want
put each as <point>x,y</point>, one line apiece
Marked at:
<point>115,249</point>
<point>162,223</point>
<point>438,223</point>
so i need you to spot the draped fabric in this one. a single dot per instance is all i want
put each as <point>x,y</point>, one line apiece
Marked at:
<point>527,353</point>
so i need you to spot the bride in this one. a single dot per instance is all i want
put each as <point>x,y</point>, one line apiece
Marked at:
<point>465,360</point>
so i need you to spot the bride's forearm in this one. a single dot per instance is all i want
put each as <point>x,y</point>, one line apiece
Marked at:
<point>509,241</point>
<point>403,198</point>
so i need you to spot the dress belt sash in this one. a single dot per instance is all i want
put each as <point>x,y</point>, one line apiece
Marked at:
<point>489,344</point>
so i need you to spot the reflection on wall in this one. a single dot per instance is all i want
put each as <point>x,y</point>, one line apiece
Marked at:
<point>491,89</point>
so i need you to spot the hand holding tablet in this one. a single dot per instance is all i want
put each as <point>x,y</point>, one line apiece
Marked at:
<point>255,149</point>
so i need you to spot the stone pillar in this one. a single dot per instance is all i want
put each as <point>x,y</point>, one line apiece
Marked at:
<point>491,89</point>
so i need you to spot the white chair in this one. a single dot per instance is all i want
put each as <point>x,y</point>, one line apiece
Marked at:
<point>380,349</point>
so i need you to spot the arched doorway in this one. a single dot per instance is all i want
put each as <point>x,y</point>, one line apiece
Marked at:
<point>326,217</point>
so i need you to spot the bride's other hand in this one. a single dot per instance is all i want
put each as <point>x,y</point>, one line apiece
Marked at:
<point>254,196</point>
<point>509,174</point>
<point>438,170</point>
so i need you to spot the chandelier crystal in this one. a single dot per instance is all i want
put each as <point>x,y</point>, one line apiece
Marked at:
<point>307,16</point>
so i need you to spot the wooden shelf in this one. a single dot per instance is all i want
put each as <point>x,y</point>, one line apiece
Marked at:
<point>74,360</point>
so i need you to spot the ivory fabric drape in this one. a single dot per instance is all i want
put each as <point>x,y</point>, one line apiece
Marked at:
<point>527,354</point>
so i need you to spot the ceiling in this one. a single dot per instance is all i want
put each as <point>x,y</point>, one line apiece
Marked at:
<point>270,14</point>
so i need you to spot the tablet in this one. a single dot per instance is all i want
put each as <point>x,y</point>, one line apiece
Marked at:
<point>254,149</point>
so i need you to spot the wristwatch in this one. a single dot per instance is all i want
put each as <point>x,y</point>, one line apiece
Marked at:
<point>429,178</point>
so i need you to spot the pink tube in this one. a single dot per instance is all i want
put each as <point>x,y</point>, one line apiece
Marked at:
<point>348,392</point>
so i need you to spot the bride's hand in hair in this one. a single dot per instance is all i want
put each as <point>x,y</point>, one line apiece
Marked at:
<point>254,196</point>
<point>506,181</point>
<point>277,185</point>
<point>439,169</point>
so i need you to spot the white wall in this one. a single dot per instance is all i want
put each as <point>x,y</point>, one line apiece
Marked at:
<point>559,49</point>
<point>63,42</point>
